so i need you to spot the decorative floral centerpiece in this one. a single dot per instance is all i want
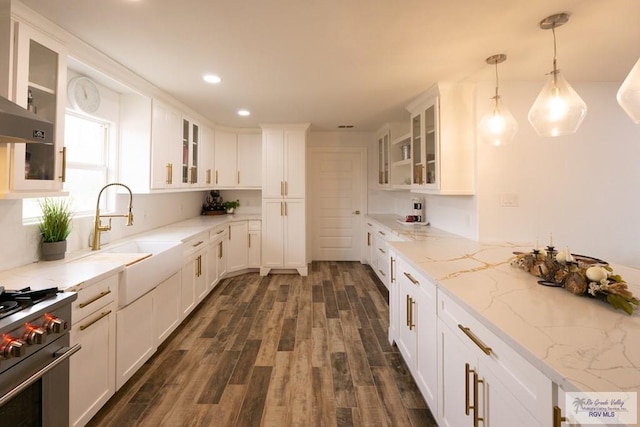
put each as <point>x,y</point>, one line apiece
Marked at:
<point>579,275</point>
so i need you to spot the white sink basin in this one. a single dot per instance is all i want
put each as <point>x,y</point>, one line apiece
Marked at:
<point>141,276</point>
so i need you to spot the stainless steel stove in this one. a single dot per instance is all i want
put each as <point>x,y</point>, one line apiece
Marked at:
<point>34,357</point>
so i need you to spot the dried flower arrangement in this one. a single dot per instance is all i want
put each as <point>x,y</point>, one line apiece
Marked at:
<point>579,275</point>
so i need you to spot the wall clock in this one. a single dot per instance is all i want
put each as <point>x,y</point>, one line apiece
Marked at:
<point>84,95</point>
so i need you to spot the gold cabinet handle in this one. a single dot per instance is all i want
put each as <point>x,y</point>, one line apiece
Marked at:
<point>229,231</point>
<point>238,177</point>
<point>216,176</point>
<point>412,279</point>
<point>467,371</point>
<point>208,176</point>
<point>286,209</point>
<point>476,417</point>
<point>282,188</point>
<point>94,299</point>
<point>102,315</point>
<point>558,419</point>
<point>408,310</point>
<point>249,241</point>
<point>286,188</point>
<point>485,349</point>
<point>411,323</point>
<point>368,239</point>
<point>220,251</point>
<point>195,245</point>
<point>382,250</point>
<point>392,276</point>
<point>381,232</point>
<point>63,174</point>
<point>281,208</point>
<point>168,173</point>
<point>382,272</point>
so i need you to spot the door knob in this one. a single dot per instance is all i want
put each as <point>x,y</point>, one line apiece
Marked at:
<point>356,212</point>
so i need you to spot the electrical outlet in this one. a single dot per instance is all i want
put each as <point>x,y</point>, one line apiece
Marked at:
<point>509,200</point>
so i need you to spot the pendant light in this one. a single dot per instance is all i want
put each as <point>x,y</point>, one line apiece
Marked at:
<point>558,109</point>
<point>629,94</point>
<point>497,126</point>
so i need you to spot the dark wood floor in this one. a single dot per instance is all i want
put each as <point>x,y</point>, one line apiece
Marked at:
<point>281,350</point>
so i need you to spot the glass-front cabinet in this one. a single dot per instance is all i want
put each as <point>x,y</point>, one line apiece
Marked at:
<point>383,158</point>
<point>190,140</point>
<point>39,82</point>
<point>443,140</point>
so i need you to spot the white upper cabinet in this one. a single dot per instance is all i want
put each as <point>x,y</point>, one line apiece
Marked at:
<point>40,72</point>
<point>225,159</point>
<point>249,160</point>
<point>205,160</point>
<point>442,140</point>
<point>166,133</point>
<point>190,152</point>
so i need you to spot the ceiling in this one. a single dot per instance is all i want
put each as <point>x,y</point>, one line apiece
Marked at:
<point>336,62</point>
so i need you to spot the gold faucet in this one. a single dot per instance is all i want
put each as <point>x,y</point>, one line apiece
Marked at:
<point>97,225</point>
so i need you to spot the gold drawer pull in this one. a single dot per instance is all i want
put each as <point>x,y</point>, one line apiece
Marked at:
<point>103,315</point>
<point>94,299</point>
<point>197,244</point>
<point>413,280</point>
<point>392,275</point>
<point>382,250</point>
<point>467,371</point>
<point>476,340</point>
<point>557,417</point>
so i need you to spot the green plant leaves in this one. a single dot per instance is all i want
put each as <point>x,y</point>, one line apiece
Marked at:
<point>55,224</point>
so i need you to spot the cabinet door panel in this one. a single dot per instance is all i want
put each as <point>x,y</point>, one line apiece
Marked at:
<point>250,160</point>
<point>254,249</point>
<point>225,159</point>
<point>166,307</point>
<point>451,406</point>
<point>295,227</point>
<point>272,233</point>
<point>166,125</point>
<point>272,164</point>
<point>295,162</point>
<point>92,370</point>
<point>238,244</point>
<point>427,342</point>
<point>212,265</point>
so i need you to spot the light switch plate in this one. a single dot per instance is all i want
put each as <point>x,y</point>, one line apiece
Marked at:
<point>509,200</point>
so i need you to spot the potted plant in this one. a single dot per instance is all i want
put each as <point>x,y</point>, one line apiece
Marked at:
<point>55,226</point>
<point>231,205</point>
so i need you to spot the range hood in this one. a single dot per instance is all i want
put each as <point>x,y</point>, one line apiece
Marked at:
<point>20,125</point>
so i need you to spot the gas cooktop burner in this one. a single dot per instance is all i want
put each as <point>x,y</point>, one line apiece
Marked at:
<point>13,301</point>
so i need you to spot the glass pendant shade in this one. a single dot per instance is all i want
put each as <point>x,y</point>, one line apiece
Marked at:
<point>558,109</point>
<point>629,94</point>
<point>498,126</point>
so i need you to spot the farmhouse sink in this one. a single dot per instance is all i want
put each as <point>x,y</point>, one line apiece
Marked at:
<point>157,262</point>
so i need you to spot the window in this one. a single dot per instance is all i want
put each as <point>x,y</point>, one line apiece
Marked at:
<point>87,143</point>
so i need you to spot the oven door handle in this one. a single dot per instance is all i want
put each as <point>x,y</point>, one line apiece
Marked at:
<point>61,355</point>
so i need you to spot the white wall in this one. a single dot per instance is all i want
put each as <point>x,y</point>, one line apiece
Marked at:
<point>582,188</point>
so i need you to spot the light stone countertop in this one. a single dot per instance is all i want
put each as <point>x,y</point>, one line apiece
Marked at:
<point>86,267</point>
<point>580,343</point>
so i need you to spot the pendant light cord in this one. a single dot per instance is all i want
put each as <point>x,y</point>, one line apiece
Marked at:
<point>555,68</point>
<point>496,82</point>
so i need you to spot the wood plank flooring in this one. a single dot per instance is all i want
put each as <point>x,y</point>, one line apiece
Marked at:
<point>281,350</point>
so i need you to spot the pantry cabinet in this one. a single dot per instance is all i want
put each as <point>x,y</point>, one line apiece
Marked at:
<point>283,198</point>
<point>40,70</point>
<point>92,371</point>
<point>442,140</point>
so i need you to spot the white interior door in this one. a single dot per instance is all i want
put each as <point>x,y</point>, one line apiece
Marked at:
<point>338,199</point>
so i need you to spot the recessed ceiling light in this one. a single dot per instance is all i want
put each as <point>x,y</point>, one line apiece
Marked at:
<point>244,112</point>
<point>211,78</point>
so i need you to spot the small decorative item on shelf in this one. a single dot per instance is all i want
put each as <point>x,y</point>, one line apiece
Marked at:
<point>231,205</point>
<point>213,204</point>
<point>579,274</point>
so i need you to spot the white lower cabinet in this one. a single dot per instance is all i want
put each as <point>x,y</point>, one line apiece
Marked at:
<point>414,300</point>
<point>215,255</point>
<point>254,244</point>
<point>482,380</point>
<point>194,285</point>
<point>238,245</point>
<point>283,231</point>
<point>166,307</point>
<point>466,374</point>
<point>135,339</point>
<point>92,371</point>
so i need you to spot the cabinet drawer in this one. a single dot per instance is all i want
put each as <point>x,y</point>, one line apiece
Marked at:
<point>194,244</point>
<point>530,386</point>
<point>255,225</point>
<point>94,297</point>
<point>217,232</point>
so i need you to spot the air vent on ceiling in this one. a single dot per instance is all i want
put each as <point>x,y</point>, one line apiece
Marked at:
<point>345,126</point>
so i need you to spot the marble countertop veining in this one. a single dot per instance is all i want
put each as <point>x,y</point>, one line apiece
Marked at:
<point>82,267</point>
<point>578,342</point>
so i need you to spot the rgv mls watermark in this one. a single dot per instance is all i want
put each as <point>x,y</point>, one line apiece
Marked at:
<point>606,408</point>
